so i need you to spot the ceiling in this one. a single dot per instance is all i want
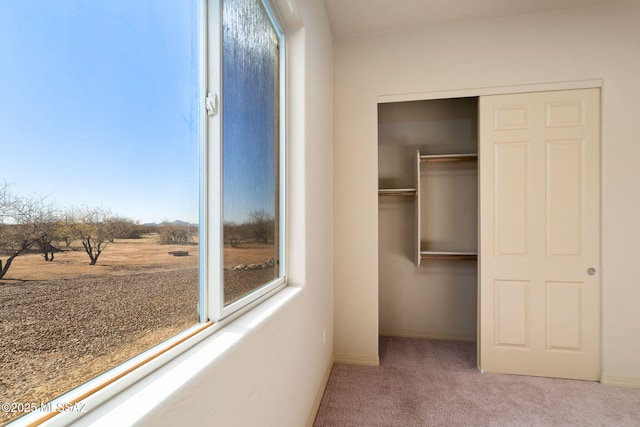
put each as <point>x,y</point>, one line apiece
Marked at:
<point>354,17</point>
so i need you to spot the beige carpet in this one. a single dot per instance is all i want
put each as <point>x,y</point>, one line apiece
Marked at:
<point>436,383</point>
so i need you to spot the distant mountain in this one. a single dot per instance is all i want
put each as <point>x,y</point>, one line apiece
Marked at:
<point>176,222</point>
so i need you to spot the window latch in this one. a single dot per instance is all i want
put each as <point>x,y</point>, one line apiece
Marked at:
<point>212,104</point>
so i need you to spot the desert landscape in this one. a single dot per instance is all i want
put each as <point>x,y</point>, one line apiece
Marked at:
<point>64,321</point>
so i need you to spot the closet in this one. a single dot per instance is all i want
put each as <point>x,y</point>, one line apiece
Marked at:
<point>492,203</point>
<point>428,216</point>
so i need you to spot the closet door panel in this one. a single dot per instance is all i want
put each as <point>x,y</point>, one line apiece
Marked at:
<point>564,197</point>
<point>511,192</point>
<point>539,226</point>
<point>512,304</point>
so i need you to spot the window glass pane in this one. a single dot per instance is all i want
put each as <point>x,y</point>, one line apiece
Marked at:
<point>99,186</point>
<point>250,148</point>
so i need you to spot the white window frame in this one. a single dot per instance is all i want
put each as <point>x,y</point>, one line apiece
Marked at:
<point>213,229</point>
<point>212,312</point>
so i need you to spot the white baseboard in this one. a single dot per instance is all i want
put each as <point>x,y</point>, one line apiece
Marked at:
<point>444,336</point>
<point>357,359</point>
<point>318,400</point>
<point>619,381</point>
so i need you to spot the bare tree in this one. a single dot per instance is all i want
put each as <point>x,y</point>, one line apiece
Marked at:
<point>5,201</point>
<point>93,228</point>
<point>48,234</point>
<point>22,222</point>
<point>262,225</point>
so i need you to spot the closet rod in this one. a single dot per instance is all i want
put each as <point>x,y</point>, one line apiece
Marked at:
<point>447,157</point>
<point>397,192</point>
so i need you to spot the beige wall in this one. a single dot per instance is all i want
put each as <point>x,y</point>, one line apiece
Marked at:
<point>266,368</point>
<point>584,44</point>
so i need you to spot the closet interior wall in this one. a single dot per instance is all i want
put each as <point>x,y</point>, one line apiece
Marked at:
<point>438,298</point>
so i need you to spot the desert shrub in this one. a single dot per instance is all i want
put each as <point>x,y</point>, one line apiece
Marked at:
<point>171,234</point>
<point>125,228</point>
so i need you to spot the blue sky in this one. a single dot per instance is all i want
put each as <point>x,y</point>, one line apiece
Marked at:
<point>97,104</point>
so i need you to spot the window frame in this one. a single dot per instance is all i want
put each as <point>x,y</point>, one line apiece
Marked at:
<point>214,316</point>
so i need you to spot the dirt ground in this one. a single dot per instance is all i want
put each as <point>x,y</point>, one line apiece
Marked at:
<point>120,257</point>
<point>64,322</point>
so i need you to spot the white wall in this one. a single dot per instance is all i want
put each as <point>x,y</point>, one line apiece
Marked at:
<point>590,43</point>
<point>275,363</point>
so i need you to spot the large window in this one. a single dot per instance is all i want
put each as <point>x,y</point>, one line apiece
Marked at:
<point>141,182</point>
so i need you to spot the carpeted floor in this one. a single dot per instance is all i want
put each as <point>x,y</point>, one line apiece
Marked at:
<point>436,383</point>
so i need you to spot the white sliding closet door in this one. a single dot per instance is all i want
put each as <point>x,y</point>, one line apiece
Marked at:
<point>540,241</point>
